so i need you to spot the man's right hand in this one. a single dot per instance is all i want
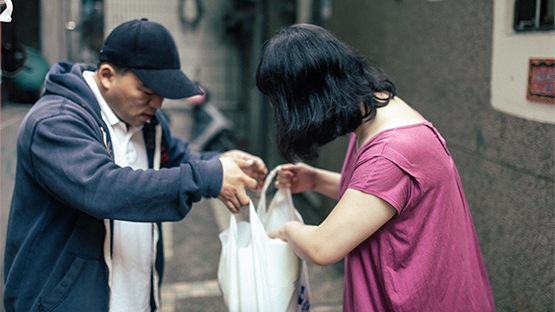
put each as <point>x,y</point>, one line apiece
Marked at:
<point>234,184</point>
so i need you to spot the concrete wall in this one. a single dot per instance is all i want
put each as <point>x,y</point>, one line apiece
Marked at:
<point>440,56</point>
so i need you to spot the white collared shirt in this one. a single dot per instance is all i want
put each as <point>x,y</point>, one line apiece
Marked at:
<point>134,243</point>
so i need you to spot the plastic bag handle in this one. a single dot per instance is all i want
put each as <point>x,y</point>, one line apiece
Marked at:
<point>269,178</point>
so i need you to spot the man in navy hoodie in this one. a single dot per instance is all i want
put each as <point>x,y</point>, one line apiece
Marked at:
<point>98,171</point>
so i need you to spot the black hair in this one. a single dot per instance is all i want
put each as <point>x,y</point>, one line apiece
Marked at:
<point>319,87</point>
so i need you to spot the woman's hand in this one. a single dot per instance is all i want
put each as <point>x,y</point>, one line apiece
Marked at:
<point>278,233</point>
<point>298,177</point>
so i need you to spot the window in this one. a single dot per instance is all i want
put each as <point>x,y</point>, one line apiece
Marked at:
<point>534,15</point>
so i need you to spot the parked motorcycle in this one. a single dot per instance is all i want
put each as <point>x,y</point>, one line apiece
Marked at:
<point>212,130</point>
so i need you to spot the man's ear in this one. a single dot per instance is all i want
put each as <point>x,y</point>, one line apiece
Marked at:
<point>105,74</point>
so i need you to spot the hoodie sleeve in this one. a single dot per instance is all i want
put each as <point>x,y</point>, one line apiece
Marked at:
<point>67,157</point>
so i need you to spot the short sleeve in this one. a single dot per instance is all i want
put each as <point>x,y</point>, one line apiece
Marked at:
<point>381,177</point>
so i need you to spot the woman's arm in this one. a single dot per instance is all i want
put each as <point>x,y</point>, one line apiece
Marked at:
<point>355,218</point>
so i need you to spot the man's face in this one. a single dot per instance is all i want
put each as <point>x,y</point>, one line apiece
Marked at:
<point>132,101</point>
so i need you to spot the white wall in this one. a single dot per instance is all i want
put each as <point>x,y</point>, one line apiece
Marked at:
<point>205,56</point>
<point>511,54</point>
<point>58,44</point>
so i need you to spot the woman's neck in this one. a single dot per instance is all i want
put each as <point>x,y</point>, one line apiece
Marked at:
<point>395,114</point>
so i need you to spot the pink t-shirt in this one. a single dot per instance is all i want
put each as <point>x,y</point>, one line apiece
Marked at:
<point>427,257</point>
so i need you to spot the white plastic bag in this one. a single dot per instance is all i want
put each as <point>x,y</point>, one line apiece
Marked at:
<point>257,273</point>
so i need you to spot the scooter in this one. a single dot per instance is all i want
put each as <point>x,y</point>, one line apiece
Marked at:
<point>212,130</point>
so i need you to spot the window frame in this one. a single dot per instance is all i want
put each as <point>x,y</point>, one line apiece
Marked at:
<point>533,15</point>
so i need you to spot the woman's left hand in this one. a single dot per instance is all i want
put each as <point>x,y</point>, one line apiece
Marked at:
<point>278,233</point>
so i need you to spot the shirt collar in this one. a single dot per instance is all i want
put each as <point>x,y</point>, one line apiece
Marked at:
<point>107,112</point>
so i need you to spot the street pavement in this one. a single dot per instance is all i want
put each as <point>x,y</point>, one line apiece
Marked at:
<point>192,246</point>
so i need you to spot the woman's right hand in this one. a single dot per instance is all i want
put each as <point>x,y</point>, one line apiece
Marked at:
<point>298,177</point>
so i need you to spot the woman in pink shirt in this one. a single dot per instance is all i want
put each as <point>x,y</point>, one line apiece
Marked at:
<point>401,222</point>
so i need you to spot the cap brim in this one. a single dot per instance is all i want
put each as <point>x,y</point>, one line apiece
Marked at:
<point>168,83</point>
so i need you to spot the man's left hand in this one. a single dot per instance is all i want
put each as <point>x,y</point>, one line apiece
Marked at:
<point>252,165</point>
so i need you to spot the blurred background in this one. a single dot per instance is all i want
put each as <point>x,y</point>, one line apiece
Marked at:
<point>480,70</point>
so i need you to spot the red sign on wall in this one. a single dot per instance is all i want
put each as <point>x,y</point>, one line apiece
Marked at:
<point>541,80</point>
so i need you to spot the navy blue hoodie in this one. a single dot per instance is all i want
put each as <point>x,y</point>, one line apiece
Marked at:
<point>67,184</point>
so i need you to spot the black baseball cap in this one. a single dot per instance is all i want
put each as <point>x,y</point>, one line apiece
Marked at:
<point>148,49</point>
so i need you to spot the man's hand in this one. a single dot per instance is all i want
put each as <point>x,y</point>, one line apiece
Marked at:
<point>251,165</point>
<point>234,183</point>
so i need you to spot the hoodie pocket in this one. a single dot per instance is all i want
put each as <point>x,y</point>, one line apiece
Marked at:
<point>83,288</point>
